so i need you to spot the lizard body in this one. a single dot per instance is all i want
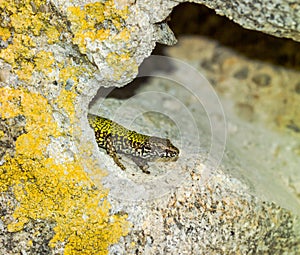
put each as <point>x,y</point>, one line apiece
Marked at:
<point>116,139</point>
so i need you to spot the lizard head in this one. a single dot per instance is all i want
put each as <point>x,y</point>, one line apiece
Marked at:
<point>162,149</point>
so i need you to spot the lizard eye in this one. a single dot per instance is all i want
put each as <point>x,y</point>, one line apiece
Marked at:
<point>172,153</point>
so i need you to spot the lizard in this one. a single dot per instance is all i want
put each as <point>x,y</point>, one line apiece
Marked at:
<point>140,148</point>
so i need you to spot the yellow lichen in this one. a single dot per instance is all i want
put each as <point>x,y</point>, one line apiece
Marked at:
<point>27,22</point>
<point>56,192</point>
<point>121,63</point>
<point>25,71</point>
<point>124,35</point>
<point>71,73</point>
<point>87,23</point>
<point>30,243</point>
<point>52,34</point>
<point>65,101</point>
<point>19,51</point>
<point>43,61</point>
<point>45,189</point>
<point>4,33</point>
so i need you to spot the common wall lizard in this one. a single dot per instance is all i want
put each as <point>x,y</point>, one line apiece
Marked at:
<point>116,139</point>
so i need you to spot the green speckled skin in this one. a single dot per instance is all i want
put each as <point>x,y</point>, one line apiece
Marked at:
<point>116,139</point>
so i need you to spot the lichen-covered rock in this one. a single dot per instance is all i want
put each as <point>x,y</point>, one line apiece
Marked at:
<point>54,56</point>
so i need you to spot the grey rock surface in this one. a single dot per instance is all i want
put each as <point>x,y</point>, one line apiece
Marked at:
<point>33,239</point>
<point>147,27</point>
<point>245,205</point>
<point>279,18</point>
<point>266,112</point>
<point>214,218</point>
<point>199,203</point>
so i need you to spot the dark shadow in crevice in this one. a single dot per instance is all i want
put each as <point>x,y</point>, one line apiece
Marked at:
<point>120,93</point>
<point>130,89</point>
<point>195,19</point>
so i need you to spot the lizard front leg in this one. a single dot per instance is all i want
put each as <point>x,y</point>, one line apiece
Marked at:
<point>141,163</point>
<point>111,151</point>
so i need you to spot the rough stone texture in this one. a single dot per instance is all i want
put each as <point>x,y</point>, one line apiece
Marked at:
<point>10,130</point>
<point>231,212</point>
<point>33,239</point>
<point>200,20</point>
<point>279,18</point>
<point>54,56</point>
<point>275,105</point>
<point>214,218</point>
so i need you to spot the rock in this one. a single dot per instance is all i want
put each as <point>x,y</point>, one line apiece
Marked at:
<point>55,55</point>
<point>279,18</point>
